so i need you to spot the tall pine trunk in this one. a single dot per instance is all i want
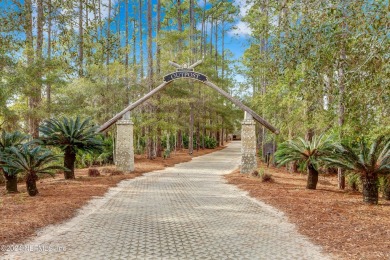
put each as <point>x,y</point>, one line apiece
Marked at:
<point>134,43</point>
<point>151,153</point>
<point>108,35</point>
<point>35,96</point>
<point>81,39</point>
<point>191,130</point>
<point>179,140</point>
<point>48,87</point>
<point>127,37</point>
<point>141,51</point>
<point>158,57</point>
<point>179,18</point>
<point>341,82</point>
<point>158,47</point>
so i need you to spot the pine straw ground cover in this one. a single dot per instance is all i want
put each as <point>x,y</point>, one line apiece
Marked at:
<point>59,199</point>
<point>337,220</point>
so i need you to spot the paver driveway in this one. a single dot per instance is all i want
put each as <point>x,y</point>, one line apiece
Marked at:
<point>183,212</point>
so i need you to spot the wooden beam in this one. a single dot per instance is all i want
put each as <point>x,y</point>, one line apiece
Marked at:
<point>235,101</point>
<point>243,107</point>
<point>131,107</point>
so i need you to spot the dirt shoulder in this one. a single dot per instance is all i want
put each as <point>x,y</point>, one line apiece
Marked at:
<point>59,199</point>
<point>336,220</point>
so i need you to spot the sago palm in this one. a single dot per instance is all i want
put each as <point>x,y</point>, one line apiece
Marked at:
<point>369,161</point>
<point>8,140</point>
<point>31,160</point>
<point>71,135</point>
<point>308,152</point>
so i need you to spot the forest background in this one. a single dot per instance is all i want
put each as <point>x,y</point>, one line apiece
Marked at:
<point>307,66</point>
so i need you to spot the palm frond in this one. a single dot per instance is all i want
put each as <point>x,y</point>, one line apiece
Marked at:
<point>75,133</point>
<point>304,151</point>
<point>31,159</point>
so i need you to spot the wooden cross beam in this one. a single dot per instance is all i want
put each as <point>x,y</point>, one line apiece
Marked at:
<point>238,103</point>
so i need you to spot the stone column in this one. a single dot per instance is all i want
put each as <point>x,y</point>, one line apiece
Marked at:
<point>124,150</point>
<point>248,145</point>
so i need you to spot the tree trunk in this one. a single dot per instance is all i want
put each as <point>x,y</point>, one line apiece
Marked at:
<point>370,190</point>
<point>203,138</point>
<point>197,137</point>
<point>31,184</point>
<point>179,18</point>
<point>179,140</point>
<point>29,32</point>
<point>48,88</point>
<point>69,160</point>
<point>117,18</point>
<point>150,52</point>
<point>134,42</point>
<point>191,130</point>
<point>158,48</point>
<point>127,53</point>
<point>81,39</point>
<point>34,97</point>
<point>40,18</point>
<point>203,30</point>
<point>223,54</point>
<point>341,178</point>
<point>100,23</point>
<point>386,188</point>
<point>141,55</point>
<point>108,35</point>
<point>216,47</point>
<point>293,167</point>
<point>217,137</point>
<point>127,37</point>
<point>341,82</point>
<point>151,154</point>
<point>150,144</point>
<point>159,146</point>
<point>11,183</point>
<point>312,178</point>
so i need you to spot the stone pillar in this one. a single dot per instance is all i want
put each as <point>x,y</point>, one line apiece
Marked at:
<point>124,149</point>
<point>248,145</point>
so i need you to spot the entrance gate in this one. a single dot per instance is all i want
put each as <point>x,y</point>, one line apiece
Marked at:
<point>124,149</point>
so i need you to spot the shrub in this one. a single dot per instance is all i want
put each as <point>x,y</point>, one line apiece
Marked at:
<point>93,172</point>
<point>310,153</point>
<point>171,141</point>
<point>32,161</point>
<point>384,184</point>
<point>71,135</point>
<point>353,181</point>
<point>266,177</point>
<point>369,160</point>
<point>167,153</point>
<point>210,142</point>
<point>186,140</point>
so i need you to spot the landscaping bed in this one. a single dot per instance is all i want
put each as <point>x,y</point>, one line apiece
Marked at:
<point>335,219</point>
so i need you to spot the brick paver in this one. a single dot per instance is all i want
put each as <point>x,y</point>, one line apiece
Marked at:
<point>183,212</point>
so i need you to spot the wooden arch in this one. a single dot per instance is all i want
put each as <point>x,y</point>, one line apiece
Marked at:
<point>188,72</point>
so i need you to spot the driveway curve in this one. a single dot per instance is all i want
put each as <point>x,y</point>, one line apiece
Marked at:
<point>184,212</point>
